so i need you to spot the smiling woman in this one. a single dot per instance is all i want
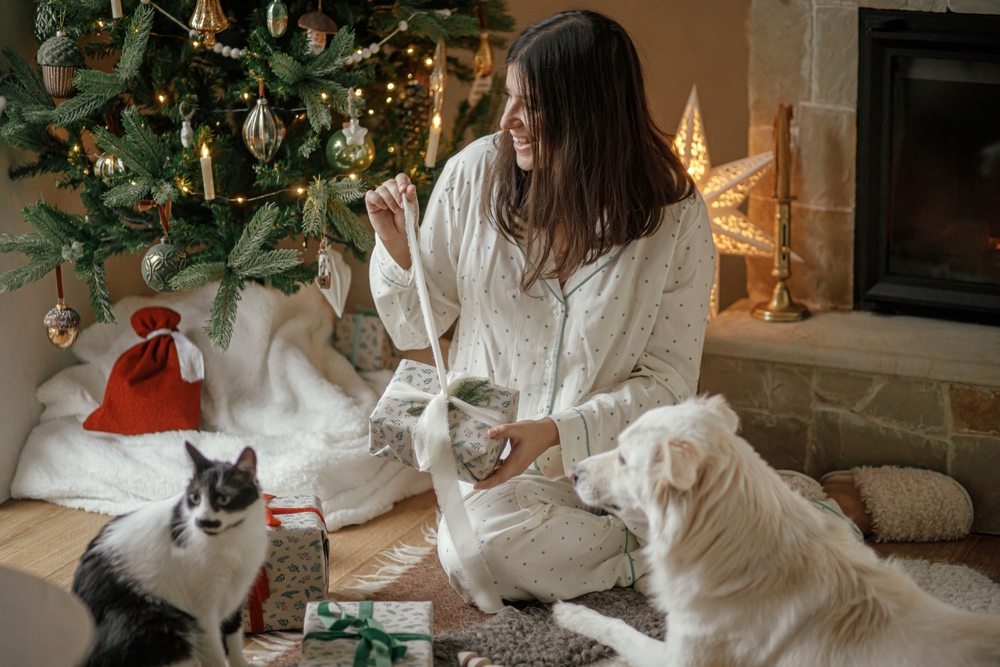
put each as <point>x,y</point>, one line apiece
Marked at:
<point>576,255</point>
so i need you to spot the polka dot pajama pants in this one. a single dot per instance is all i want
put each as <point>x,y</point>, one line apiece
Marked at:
<point>542,543</point>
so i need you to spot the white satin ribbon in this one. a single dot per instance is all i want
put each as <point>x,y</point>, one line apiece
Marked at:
<point>433,449</point>
<point>190,357</point>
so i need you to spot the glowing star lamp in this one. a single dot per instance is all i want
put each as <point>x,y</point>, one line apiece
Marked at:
<point>723,189</point>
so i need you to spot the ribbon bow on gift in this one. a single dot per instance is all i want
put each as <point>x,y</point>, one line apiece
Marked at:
<point>378,647</point>
<point>261,589</point>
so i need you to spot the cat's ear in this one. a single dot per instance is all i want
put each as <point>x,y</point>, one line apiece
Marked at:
<point>247,461</point>
<point>200,462</point>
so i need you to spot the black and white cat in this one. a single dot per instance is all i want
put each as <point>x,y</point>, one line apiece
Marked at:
<point>166,583</point>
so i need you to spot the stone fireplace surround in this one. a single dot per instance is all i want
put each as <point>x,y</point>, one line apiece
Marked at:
<point>845,388</point>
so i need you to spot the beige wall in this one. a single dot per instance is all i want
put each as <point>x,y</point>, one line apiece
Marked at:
<point>681,43</point>
<point>26,357</point>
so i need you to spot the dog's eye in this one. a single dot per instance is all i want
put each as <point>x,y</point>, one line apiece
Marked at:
<point>621,459</point>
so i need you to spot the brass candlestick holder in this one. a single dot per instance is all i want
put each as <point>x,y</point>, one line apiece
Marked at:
<point>781,308</point>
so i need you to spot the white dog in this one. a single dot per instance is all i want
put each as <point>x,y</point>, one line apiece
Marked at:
<point>748,571</point>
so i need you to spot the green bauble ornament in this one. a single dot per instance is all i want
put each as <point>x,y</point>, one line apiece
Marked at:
<point>350,157</point>
<point>162,262</point>
<point>277,18</point>
<point>59,57</point>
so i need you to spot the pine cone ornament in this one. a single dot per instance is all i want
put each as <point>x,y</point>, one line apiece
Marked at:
<point>59,57</point>
<point>46,20</point>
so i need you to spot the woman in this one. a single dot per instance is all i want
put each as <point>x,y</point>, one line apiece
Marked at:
<point>575,252</point>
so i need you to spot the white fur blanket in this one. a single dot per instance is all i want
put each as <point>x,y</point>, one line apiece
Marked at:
<point>281,388</point>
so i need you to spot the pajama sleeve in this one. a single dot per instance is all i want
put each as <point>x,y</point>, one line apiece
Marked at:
<point>394,289</point>
<point>668,370</point>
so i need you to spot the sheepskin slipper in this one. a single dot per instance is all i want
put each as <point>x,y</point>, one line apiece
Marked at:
<point>910,504</point>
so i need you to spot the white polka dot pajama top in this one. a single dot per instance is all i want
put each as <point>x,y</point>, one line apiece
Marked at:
<point>624,335</point>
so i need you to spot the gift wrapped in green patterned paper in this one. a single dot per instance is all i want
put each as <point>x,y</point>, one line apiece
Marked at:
<point>357,634</point>
<point>477,404</point>
<point>362,338</point>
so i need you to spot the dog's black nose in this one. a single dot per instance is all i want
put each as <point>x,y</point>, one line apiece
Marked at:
<point>208,523</point>
<point>573,477</point>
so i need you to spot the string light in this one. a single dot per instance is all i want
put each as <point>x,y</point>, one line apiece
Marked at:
<point>239,200</point>
<point>323,95</point>
<point>246,96</point>
<point>300,190</point>
<point>428,61</point>
<point>371,112</point>
<point>388,99</point>
<point>410,50</point>
<point>390,86</point>
<point>162,98</point>
<point>353,177</point>
<point>392,149</point>
<point>357,92</point>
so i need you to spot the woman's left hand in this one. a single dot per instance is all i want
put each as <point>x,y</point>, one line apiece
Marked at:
<point>528,440</point>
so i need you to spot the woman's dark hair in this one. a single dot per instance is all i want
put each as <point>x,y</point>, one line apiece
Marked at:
<point>603,170</point>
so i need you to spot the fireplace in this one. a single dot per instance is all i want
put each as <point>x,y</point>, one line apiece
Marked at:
<point>927,219</point>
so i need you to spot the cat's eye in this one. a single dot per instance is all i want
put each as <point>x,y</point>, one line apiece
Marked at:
<point>194,497</point>
<point>223,499</point>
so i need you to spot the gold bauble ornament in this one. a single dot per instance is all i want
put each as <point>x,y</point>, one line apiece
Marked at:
<point>347,152</point>
<point>482,61</point>
<point>277,18</point>
<point>263,131</point>
<point>208,19</point>
<point>62,324</point>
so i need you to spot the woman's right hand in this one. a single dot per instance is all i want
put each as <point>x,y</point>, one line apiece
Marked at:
<point>385,210</point>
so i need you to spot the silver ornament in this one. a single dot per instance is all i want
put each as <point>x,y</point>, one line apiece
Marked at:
<point>263,131</point>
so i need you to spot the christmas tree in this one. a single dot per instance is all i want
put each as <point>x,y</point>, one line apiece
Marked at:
<point>211,131</point>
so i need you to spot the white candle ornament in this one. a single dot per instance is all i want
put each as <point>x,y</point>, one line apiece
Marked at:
<point>116,9</point>
<point>207,180</point>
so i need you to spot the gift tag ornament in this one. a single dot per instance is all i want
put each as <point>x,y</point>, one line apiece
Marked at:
<point>263,131</point>
<point>164,260</point>
<point>350,149</point>
<point>62,323</point>
<point>208,19</point>
<point>108,165</point>
<point>317,26</point>
<point>277,18</point>
<point>59,57</point>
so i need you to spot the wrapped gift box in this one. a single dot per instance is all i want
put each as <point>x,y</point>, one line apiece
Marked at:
<point>362,338</point>
<point>321,647</point>
<point>393,421</point>
<point>297,567</point>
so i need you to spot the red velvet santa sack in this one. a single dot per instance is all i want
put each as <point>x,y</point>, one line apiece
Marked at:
<point>155,385</point>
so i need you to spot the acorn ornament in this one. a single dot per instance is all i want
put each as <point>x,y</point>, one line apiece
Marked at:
<point>263,131</point>
<point>62,323</point>
<point>317,26</point>
<point>164,260</point>
<point>277,18</point>
<point>59,57</point>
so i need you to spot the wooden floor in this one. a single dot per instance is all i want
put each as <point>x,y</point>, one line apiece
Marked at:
<point>47,540</point>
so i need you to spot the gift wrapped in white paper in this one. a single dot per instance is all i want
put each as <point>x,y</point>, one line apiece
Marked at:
<point>331,634</point>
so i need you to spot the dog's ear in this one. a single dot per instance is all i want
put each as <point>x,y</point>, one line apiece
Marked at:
<point>679,460</point>
<point>718,405</point>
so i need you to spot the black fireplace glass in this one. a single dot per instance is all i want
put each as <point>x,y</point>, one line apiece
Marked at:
<point>944,170</point>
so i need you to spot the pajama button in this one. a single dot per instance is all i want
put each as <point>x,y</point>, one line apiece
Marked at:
<point>548,362</point>
<point>541,411</point>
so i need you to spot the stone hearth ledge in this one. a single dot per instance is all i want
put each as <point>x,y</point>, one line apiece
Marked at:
<point>914,347</point>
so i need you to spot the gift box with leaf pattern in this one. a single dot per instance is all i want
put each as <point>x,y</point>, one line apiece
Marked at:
<point>345,634</point>
<point>296,569</point>
<point>362,338</point>
<point>394,418</point>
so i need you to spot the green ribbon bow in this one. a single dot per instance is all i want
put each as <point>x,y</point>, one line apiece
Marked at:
<point>378,647</point>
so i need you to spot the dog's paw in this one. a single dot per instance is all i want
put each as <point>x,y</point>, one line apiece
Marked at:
<point>580,619</point>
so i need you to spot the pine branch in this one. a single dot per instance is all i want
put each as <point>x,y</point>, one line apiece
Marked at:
<point>314,210</point>
<point>254,235</point>
<point>134,49</point>
<point>286,68</point>
<point>51,224</point>
<point>316,109</point>
<point>97,82</point>
<point>223,315</point>
<point>197,276</point>
<point>26,86</point>
<point>138,133</point>
<point>347,226</point>
<point>269,262</point>
<point>27,244</point>
<point>128,194</point>
<point>77,108</point>
<point>100,300</point>
<point>39,267</point>
<point>331,60</point>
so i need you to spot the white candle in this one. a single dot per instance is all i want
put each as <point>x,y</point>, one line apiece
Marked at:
<point>116,9</point>
<point>433,140</point>
<point>206,173</point>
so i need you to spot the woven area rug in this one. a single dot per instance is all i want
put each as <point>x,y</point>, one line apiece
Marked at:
<point>525,635</point>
